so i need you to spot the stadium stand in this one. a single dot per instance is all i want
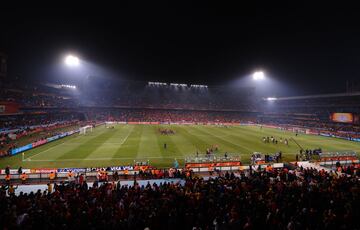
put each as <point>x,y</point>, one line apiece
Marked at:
<point>15,128</point>
<point>273,199</point>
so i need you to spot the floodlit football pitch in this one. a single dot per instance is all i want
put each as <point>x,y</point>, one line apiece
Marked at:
<point>126,144</point>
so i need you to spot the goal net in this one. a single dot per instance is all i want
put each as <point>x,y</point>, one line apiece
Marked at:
<point>85,129</point>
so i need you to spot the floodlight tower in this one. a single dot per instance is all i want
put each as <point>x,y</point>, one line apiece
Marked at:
<point>258,78</point>
<point>72,62</point>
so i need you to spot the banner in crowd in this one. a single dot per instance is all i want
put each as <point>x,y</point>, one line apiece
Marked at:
<point>38,143</point>
<point>5,131</point>
<point>49,139</point>
<point>8,107</point>
<point>21,149</point>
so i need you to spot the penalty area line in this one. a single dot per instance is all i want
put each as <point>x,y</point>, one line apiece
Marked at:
<point>127,136</point>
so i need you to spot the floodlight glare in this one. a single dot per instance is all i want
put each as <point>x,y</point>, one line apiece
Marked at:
<point>271,99</point>
<point>72,60</point>
<point>259,75</point>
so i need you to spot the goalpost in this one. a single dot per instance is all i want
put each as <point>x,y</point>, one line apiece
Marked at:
<point>85,129</point>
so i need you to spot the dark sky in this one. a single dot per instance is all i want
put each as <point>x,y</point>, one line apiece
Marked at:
<point>310,49</point>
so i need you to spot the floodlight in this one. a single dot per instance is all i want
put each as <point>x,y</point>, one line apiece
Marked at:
<point>71,60</point>
<point>258,75</point>
<point>271,99</point>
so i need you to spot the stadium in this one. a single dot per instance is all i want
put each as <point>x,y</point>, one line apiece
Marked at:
<point>86,145</point>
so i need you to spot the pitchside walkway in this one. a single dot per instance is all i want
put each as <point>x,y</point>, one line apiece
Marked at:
<point>43,187</point>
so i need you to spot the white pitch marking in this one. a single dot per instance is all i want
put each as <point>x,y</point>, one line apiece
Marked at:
<point>123,141</point>
<point>114,143</point>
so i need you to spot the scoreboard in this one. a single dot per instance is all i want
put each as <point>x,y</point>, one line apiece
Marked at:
<point>342,117</point>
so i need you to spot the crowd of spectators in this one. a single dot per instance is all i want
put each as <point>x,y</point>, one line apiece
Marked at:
<point>157,115</point>
<point>36,99</point>
<point>323,104</point>
<point>276,199</point>
<point>128,95</point>
<point>13,128</point>
<point>141,95</point>
<point>26,121</point>
<point>317,126</point>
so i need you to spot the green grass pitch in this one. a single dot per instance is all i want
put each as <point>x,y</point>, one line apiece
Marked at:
<point>126,143</point>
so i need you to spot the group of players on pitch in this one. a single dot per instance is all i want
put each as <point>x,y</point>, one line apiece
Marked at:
<point>274,140</point>
<point>166,131</point>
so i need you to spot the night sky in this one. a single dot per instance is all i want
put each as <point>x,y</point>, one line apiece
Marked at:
<point>310,50</point>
